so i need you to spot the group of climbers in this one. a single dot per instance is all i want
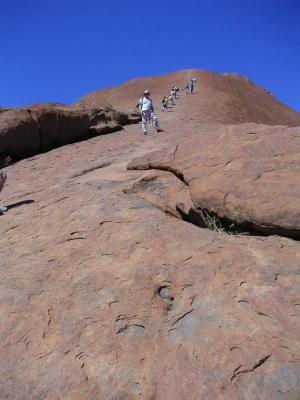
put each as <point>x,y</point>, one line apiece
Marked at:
<point>170,99</point>
<point>146,108</point>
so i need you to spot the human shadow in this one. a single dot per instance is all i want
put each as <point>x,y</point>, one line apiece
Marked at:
<point>19,203</point>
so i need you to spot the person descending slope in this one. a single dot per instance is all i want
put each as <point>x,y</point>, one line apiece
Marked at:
<point>147,111</point>
<point>187,87</point>
<point>2,181</point>
<point>173,94</point>
<point>164,103</point>
<point>192,86</point>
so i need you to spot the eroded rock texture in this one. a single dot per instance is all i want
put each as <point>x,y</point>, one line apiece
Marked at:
<point>108,291</point>
<point>38,128</point>
<point>247,173</point>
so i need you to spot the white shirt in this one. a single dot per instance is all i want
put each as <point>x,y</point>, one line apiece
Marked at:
<point>146,104</point>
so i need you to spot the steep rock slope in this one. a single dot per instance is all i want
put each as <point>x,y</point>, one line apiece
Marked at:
<point>108,293</point>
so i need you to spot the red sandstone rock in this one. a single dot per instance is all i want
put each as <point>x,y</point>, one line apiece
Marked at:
<point>106,293</point>
<point>19,134</point>
<point>227,98</point>
<point>248,173</point>
<point>42,127</point>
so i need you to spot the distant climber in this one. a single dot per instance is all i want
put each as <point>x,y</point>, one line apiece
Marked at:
<point>173,94</point>
<point>176,88</point>
<point>164,103</point>
<point>147,111</point>
<point>187,87</point>
<point>173,91</point>
<point>2,182</point>
<point>192,85</point>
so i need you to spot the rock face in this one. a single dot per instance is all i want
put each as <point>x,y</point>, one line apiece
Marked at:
<point>42,127</point>
<point>247,174</point>
<point>19,134</point>
<point>108,292</point>
<point>225,98</point>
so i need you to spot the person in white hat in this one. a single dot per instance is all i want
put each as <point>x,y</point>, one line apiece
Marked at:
<point>2,181</point>
<point>147,111</point>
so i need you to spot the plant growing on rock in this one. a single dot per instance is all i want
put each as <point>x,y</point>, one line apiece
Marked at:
<point>214,223</point>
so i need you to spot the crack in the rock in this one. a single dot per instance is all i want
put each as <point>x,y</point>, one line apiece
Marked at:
<point>182,316</point>
<point>54,202</point>
<point>174,171</point>
<point>91,169</point>
<point>200,216</point>
<point>124,328</point>
<point>263,314</point>
<point>236,372</point>
<point>175,151</point>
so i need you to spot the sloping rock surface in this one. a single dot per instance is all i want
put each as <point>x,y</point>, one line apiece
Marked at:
<point>108,293</point>
<point>248,174</point>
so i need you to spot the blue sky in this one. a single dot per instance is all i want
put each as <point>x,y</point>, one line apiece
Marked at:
<point>59,50</point>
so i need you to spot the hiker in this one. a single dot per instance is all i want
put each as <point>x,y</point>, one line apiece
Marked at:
<point>192,85</point>
<point>187,87</point>
<point>164,103</point>
<point>171,97</point>
<point>147,111</point>
<point>176,88</point>
<point>2,181</point>
<point>173,94</point>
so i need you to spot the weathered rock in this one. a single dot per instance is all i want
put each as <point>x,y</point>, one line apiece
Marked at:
<point>163,190</point>
<point>42,127</point>
<point>106,293</point>
<point>5,160</point>
<point>247,174</point>
<point>60,126</point>
<point>104,128</point>
<point>19,134</point>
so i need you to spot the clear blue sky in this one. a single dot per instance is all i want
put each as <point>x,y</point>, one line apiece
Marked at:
<point>59,50</point>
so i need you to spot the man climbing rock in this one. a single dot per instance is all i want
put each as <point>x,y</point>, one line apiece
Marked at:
<point>2,181</point>
<point>147,111</point>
